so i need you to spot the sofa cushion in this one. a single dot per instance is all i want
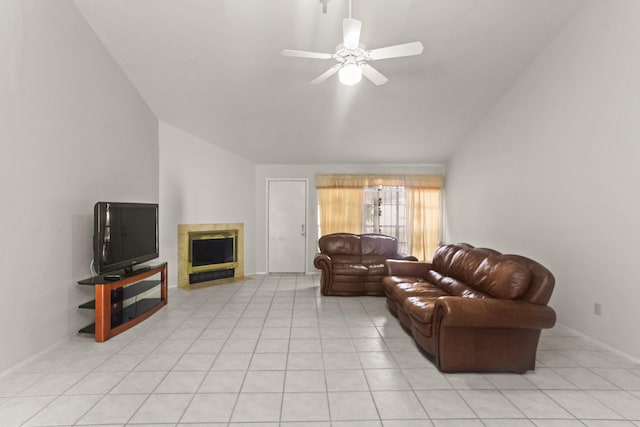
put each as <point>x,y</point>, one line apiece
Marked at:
<point>378,245</point>
<point>464,264</point>
<point>389,282</point>
<point>457,288</point>
<point>346,259</point>
<point>340,244</point>
<point>350,269</point>
<point>443,256</point>
<point>452,286</point>
<point>502,278</point>
<point>466,271</point>
<point>375,260</point>
<point>403,291</point>
<point>420,311</point>
<point>376,268</point>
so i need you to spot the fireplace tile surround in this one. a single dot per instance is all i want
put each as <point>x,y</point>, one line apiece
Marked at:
<point>186,231</point>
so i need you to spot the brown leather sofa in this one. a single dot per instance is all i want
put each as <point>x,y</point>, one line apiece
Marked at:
<point>473,309</point>
<point>354,264</point>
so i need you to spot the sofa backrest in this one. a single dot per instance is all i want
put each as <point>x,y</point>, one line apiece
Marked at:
<point>542,280</point>
<point>377,248</point>
<point>378,244</point>
<point>368,249</point>
<point>444,254</point>
<point>490,273</point>
<point>340,244</point>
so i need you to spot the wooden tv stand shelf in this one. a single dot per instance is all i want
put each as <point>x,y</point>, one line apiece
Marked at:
<point>113,316</point>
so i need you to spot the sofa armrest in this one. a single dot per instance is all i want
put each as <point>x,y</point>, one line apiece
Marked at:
<point>492,313</point>
<point>322,261</point>
<point>406,257</point>
<point>396,267</point>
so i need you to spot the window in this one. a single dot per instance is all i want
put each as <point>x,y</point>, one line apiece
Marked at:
<point>404,206</point>
<point>385,212</point>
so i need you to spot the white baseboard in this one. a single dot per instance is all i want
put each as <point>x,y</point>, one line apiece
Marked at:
<point>601,344</point>
<point>33,357</point>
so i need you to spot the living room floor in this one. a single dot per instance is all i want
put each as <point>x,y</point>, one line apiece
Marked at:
<point>271,351</point>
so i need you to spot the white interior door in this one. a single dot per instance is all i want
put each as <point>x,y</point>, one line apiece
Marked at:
<point>287,226</point>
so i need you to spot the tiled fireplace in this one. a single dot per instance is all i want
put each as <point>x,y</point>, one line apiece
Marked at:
<point>209,254</point>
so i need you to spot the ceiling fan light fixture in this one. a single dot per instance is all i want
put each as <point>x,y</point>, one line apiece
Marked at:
<point>350,74</point>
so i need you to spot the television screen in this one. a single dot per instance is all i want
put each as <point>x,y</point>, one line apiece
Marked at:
<point>125,234</point>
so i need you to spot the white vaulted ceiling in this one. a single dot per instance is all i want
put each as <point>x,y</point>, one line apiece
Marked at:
<point>213,68</point>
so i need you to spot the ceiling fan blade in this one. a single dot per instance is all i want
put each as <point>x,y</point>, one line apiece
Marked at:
<point>324,76</point>
<point>351,33</point>
<point>406,49</point>
<point>303,54</point>
<point>374,75</point>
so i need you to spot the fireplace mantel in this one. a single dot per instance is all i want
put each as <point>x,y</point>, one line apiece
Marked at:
<point>184,232</point>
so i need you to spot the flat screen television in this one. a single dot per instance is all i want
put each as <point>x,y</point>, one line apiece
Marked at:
<point>124,235</point>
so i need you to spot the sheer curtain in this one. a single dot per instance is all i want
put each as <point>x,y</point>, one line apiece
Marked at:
<point>423,221</point>
<point>340,210</point>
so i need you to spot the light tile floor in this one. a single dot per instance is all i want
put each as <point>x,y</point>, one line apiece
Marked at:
<point>272,352</point>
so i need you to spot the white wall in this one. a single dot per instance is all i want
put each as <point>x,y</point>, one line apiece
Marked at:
<point>552,172</point>
<point>264,172</point>
<point>201,183</point>
<point>73,131</point>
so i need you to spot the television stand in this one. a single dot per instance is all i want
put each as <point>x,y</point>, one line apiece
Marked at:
<point>118,305</point>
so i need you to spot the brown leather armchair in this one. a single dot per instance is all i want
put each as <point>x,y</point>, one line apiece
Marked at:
<point>354,264</point>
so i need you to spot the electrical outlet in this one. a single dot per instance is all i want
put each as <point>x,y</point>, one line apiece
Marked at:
<point>597,309</point>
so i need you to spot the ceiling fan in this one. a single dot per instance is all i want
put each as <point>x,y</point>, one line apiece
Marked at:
<point>353,59</point>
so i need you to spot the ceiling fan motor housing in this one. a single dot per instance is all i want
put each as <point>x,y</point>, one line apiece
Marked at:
<point>345,55</point>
